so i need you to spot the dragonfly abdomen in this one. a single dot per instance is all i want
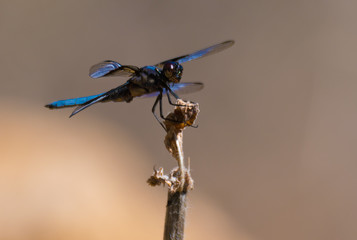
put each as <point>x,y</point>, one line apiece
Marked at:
<point>71,102</point>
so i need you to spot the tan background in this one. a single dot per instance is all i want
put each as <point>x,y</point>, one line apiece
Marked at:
<point>275,153</point>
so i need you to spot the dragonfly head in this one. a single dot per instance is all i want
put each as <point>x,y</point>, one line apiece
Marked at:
<point>173,71</point>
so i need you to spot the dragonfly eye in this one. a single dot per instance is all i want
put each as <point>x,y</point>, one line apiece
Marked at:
<point>173,71</point>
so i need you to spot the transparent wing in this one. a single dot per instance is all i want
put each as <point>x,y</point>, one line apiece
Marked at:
<point>111,68</point>
<point>201,53</point>
<point>179,88</point>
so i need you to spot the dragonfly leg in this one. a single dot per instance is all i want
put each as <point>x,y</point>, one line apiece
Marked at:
<point>171,103</point>
<point>169,90</point>
<point>159,98</point>
<point>162,115</point>
<point>169,119</point>
<point>172,92</point>
<point>178,105</point>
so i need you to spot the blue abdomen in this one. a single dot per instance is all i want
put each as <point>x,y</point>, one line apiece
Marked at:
<point>72,102</point>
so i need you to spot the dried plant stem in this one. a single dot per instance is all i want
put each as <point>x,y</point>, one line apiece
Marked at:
<point>181,164</point>
<point>175,216</point>
<point>179,180</point>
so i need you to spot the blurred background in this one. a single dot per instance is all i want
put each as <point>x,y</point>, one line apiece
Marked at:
<point>275,153</point>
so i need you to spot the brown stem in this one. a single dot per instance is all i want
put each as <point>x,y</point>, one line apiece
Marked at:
<point>175,216</point>
<point>179,180</point>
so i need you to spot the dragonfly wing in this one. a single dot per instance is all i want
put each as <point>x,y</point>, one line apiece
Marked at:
<point>111,68</point>
<point>201,53</point>
<point>179,88</point>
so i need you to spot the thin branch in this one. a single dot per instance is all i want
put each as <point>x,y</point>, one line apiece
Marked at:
<point>175,216</point>
<point>179,180</point>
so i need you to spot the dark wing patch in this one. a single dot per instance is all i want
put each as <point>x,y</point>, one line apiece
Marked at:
<point>111,68</point>
<point>198,54</point>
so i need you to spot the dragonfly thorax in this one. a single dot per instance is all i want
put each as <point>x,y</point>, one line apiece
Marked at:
<point>172,71</point>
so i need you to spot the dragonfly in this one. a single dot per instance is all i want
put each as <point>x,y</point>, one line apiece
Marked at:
<point>148,81</point>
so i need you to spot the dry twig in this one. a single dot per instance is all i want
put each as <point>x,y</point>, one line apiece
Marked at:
<point>179,180</point>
